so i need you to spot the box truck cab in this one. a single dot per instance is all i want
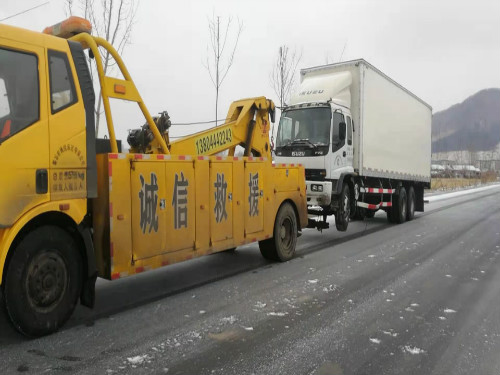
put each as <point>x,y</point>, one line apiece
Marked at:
<point>365,142</point>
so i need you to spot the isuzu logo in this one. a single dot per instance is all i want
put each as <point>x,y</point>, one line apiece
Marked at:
<point>311,92</point>
<point>298,153</point>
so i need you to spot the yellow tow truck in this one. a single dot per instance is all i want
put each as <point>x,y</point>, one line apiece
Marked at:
<point>73,208</point>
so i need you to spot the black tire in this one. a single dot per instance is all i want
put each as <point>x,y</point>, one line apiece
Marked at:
<point>282,246</point>
<point>390,215</point>
<point>370,213</point>
<point>343,213</point>
<point>359,214</point>
<point>410,210</point>
<point>43,281</point>
<point>230,250</point>
<point>399,208</point>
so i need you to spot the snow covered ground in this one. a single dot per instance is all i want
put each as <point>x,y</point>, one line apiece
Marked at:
<point>438,197</point>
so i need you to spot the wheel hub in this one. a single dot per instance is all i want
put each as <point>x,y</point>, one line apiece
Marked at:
<point>347,208</point>
<point>46,281</point>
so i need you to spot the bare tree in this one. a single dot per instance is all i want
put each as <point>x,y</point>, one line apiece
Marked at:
<point>111,19</point>
<point>283,73</point>
<point>219,59</point>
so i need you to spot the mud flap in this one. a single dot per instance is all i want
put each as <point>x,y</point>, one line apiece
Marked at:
<point>87,297</point>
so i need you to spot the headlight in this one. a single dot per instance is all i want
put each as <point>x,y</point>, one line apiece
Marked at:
<point>316,187</point>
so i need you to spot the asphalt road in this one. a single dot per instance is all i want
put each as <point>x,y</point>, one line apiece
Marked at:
<point>417,298</point>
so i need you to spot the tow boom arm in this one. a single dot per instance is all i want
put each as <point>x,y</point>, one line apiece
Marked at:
<point>247,126</point>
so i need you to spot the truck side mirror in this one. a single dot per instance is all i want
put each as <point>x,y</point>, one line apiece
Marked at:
<point>342,131</point>
<point>272,114</point>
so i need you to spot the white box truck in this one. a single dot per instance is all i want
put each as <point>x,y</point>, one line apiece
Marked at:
<point>365,142</point>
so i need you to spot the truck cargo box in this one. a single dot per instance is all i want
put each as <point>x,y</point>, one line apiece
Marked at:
<point>392,126</point>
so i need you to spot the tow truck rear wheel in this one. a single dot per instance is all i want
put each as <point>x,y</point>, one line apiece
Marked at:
<point>282,246</point>
<point>43,281</point>
<point>344,211</point>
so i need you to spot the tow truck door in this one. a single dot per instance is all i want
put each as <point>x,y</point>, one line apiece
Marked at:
<point>24,133</point>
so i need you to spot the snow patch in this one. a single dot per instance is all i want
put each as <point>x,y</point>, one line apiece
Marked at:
<point>414,305</point>
<point>138,359</point>
<point>229,319</point>
<point>412,350</point>
<point>330,288</point>
<point>375,341</point>
<point>260,305</point>
<point>389,333</point>
<point>202,311</point>
<point>448,275</point>
<point>277,313</point>
<point>449,311</point>
<point>409,309</point>
<point>247,328</point>
<point>194,335</point>
<point>312,281</point>
<point>459,193</point>
<point>442,318</point>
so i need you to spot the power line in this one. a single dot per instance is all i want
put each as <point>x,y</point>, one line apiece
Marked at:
<point>24,11</point>
<point>200,122</point>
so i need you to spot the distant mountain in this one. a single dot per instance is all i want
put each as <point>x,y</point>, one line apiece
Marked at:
<point>473,125</point>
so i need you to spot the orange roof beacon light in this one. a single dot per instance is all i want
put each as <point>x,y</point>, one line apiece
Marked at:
<point>70,27</point>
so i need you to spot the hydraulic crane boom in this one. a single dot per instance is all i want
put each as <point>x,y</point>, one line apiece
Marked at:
<point>247,126</point>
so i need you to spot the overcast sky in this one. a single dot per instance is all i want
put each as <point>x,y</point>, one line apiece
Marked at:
<point>441,50</point>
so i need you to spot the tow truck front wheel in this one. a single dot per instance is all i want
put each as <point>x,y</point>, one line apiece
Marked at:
<point>282,246</point>
<point>43,281</point>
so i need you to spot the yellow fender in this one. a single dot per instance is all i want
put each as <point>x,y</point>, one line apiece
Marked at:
<point>74,209</point>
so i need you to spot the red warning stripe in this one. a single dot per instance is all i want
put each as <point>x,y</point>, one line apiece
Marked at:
<point>113,156</point>
<point>137,156</point>
<point>377,190</point>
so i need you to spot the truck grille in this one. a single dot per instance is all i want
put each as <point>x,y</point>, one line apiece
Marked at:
<point>315,174</point>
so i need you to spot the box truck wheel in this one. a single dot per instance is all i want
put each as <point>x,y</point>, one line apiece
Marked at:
<point>43,281</point>
<point>390,214</point>
<point>344,211</point>
<point>282,246</point>
<point>359,214</point>
<point>410,210</point>
<point>399,207</point>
